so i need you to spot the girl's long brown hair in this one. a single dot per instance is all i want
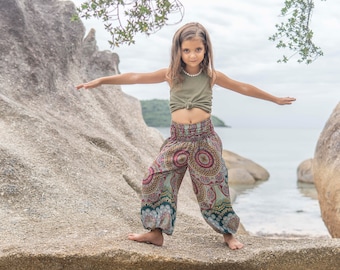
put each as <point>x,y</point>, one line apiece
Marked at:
<point>187,32</point>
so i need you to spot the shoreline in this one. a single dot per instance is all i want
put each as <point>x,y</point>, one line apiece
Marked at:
<point>289,236</point>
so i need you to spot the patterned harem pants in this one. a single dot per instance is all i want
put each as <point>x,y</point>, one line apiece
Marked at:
<point>198,148</point>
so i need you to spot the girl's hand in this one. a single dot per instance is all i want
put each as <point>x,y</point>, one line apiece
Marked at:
<point>92,84</point>
<point>285,100</point>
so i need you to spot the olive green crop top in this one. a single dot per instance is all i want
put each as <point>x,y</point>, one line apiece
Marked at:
<point>194,92</point>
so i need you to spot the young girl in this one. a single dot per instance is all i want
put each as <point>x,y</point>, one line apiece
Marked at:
<point>193,143</point>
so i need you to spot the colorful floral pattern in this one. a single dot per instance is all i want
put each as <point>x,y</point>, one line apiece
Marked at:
<point>198,148</point>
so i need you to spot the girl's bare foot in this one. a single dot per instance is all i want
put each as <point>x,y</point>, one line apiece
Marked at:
<point>154,237</point>
<point>232,242</point>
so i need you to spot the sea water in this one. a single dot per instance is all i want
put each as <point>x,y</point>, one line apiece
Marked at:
<point>279,206</point>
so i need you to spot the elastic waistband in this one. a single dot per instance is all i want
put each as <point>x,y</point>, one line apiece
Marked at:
<point>191,132</point>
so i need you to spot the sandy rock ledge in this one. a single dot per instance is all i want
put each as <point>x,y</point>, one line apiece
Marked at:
<point>179,252</point>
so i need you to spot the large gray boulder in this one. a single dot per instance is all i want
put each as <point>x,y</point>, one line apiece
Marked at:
<point>71,163</point>
<point>326,172</point>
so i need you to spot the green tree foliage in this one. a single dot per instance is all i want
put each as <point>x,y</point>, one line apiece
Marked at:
<point>156,113</point>
<point>218,122</point>
<point>123,19</point>
<point>295,33</point>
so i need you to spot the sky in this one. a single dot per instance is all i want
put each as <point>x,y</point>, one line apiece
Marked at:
<point>239,32</point>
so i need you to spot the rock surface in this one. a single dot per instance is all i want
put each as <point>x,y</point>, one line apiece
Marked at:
<point>243,171</point>
<point>240,176</point>
<point>305,171</point>
<point>71,163</point>
<point>185,251</point>
<point>326,169</point>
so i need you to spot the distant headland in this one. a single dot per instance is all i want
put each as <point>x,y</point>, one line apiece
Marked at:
<point>156,113</point>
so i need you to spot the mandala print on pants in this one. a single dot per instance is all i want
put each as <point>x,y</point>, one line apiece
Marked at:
<point>198,148</point>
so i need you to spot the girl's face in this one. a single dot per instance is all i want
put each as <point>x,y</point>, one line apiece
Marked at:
<point>192,53</point>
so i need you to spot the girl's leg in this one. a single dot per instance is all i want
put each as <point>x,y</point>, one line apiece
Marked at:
<point>159,194</point>
<point>210,181</point>
<point>159,199</point>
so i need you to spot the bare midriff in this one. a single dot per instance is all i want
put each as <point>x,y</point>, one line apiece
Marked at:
<point>192,116</point>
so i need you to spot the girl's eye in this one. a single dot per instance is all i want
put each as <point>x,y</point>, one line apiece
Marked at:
<point>198,49</point>
<point>185,50</point>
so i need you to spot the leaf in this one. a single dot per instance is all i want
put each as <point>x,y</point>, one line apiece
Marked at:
<point>124,19</point>
<point>295,33</point>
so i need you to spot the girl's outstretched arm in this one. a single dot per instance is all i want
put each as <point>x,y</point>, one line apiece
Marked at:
<point>127,78</point>
<point>249,90</point>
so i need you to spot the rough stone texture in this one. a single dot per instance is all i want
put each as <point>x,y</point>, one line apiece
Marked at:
<point>71,163</point>
<point>243,170</point>
<point>326,169</point>
<point>186,251</point>
<point>305,171</point>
